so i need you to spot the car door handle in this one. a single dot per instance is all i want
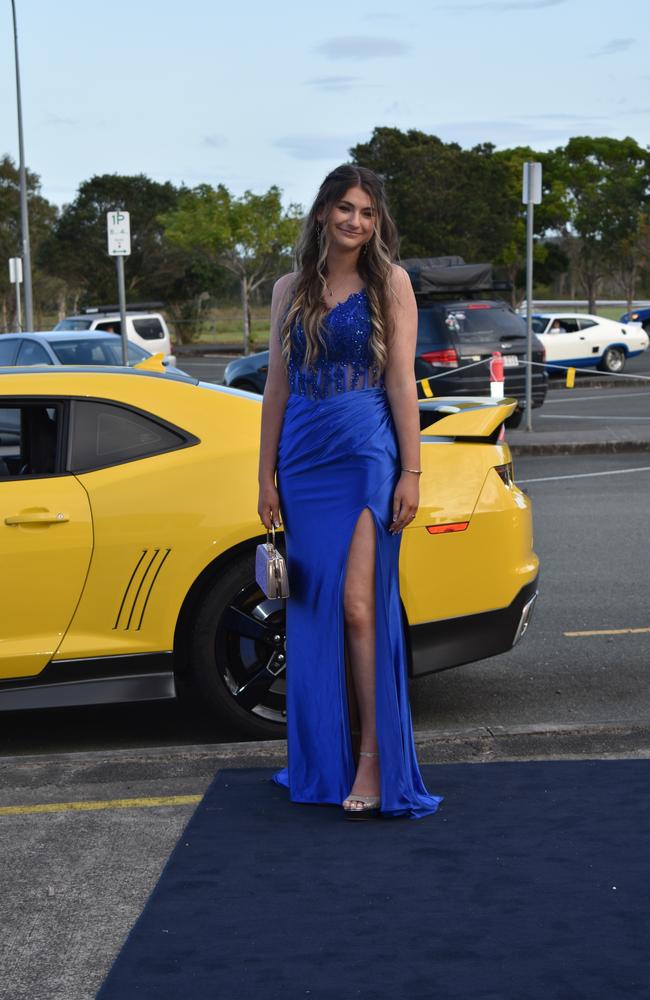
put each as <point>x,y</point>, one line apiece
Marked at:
<point>36,517</point>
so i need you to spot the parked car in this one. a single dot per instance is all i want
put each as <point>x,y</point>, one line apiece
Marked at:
<point>456,329</point>
<point>58,348</point>
<point>641,316</point>
<point>146,329</point>
<point>128,539</point>
<point>248,372</point>
<point>582,340</point>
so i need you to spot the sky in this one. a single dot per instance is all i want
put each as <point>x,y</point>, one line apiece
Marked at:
<point>258,94</point>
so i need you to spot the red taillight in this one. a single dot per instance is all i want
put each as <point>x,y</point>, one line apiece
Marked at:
<point>442,529</point>
<point>477,305</point>
<point>501,436</point>
<point>448,358</point>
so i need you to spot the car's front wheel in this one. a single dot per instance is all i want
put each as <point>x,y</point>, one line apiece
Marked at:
<point>237,652</point>
<point>613,360</point>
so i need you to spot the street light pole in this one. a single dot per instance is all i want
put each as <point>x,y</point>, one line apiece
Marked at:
<point>24,216</point>
<point>531,195</point>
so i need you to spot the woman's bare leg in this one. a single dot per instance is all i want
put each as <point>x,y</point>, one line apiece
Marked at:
<point>359,610</point>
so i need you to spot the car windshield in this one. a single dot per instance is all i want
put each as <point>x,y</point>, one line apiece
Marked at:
<point>73,324</point>
<point>539,324</point>
<point>96,351</point>
<point>476,321</point>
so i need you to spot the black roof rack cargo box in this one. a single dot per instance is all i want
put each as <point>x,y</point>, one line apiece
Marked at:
<point>447,274</point>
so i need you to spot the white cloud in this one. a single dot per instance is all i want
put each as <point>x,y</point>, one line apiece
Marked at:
<point>613,47</point>
<point>214,141</point>
<point>361,47</point>
<point>499,6</point>
<point>317,147</point>
<point>334,82</point>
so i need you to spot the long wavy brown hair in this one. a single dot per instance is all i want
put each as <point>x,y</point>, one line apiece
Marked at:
<point>374,265</point>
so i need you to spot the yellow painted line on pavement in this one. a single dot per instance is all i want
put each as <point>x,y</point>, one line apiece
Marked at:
<point>610,631</point>
<point>48,807</point>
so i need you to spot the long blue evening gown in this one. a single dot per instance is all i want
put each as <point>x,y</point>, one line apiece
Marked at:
<point>337,454</point>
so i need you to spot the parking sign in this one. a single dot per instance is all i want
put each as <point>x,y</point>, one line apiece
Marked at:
<point>119,234</point>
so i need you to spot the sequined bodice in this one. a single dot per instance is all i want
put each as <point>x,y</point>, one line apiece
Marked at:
<point>346,362</point>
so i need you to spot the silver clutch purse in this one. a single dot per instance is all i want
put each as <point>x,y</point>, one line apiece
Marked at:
<point>271,569</point>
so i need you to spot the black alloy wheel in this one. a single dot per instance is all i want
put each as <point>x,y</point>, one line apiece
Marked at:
<point>238,652</point>
<point>613,360</point>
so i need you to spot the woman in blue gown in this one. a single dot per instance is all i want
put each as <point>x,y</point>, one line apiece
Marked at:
<point>339,465</point>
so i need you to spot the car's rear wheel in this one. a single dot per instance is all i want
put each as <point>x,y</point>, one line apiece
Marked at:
<point>613,360</point>
<point>237,652</point>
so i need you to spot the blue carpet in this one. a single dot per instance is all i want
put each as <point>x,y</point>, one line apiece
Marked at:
<point>530,883</point>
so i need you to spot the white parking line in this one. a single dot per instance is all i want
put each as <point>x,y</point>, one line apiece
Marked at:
<point>573,416</point>
<point>585,475</point>
<point>583,399</point>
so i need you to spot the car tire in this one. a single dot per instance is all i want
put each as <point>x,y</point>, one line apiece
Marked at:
<point>237,652</point>
<point>514,420</point>
<point>613,360</point>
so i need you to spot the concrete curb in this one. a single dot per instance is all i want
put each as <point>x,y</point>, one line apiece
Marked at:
<point>578,447</point>
<point>546,740</point>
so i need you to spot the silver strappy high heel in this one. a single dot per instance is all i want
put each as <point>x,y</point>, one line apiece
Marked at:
<point>371,803</point>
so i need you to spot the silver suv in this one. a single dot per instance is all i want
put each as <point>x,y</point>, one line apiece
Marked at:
<point>146,329</point>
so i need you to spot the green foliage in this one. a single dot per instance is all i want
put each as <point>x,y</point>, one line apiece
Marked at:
<point>607,195</point>
<point>250,236</point>
<point>77,250</point>
<point>445,199</point>
<point>42,216</point>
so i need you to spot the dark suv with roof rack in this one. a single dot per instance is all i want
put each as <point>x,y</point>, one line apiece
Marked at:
<point>461,323</point>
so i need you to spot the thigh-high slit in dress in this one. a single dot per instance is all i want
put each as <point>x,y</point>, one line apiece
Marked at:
<point>338,455</point>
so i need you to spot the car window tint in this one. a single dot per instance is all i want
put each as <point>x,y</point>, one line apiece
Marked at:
<point>539,324</point>
<point>31,353</point>
<point>149,328</point>
<point>568,325</point>
<point>110,326</point>
<point>28,440</point>
<point>586,323</point>
<point>107,434</point>
<point>8,350</point>
<point>95,351</point>
<point>476,323</point>
<point>431,328</point>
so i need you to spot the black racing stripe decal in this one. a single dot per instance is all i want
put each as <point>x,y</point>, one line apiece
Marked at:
<point>137,593</point>
<point>144,606</point>
<point>128,587</point>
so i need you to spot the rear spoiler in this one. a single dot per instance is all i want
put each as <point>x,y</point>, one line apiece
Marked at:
<point>464,416</point>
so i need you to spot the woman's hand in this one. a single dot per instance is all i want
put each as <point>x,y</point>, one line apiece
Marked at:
<point>268,505</point>
<point>405,501</point>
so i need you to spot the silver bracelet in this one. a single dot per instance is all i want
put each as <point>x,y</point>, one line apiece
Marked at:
<point>416,472</point>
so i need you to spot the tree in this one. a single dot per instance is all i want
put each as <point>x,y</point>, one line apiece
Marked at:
<point>550,215</point>
<point>42,216</point>
<point>607,195</point>
<point>77,250</point>
<point>248,235</point>
<point>445,199</point>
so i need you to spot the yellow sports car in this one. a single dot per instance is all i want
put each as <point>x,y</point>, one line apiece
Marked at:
<point>128,530</point>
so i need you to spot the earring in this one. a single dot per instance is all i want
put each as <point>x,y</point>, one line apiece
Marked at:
<point>365,248</point>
